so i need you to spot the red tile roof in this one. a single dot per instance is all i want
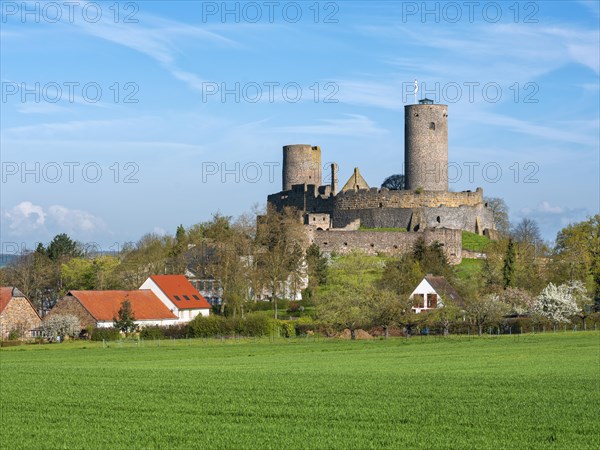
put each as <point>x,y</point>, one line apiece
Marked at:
<point>180,291</point>
<point>5,297</point>
<point>105,305</point>
<point>7,293</point>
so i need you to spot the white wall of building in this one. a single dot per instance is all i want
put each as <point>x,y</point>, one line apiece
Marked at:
<point>142,323</point>
<point>185,315</point>
<point>425,288</point>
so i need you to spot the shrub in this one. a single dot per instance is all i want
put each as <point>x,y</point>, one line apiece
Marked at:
<point>152,332</point>
<point>179,331</point>
<point>303,325</point>
<point>287,328</point>
<point>208,326</point>
<point>255,325</point>
<point>11,343</point>
<point>282,305</point>
<point>293,307</point>
<point>14,334</point>
<point>108,334</point>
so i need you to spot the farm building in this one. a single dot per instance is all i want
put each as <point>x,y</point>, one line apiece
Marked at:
<point>178,295</point>
<point>100,308</point>
<point>17,314</point>
<point>431,293</point>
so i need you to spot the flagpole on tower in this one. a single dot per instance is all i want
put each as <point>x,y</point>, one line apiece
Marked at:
<point>416,90</point>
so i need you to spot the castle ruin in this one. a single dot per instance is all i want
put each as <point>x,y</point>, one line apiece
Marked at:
<point>339,220</point>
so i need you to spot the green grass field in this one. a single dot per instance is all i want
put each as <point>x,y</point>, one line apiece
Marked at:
<point>529,391</point>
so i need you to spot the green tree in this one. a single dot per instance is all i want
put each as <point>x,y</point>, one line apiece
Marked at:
<point>576,255</point>
<point>90,273</point>
<point>432,258</point>
<point>279,256</point>
<point>485,310</point>
<point>508,269</point>
<point>63,246</point>
<point>148,256</point>
<point>317,268</point>
<point>402,275</point>
<point>125,320</point>
<point>388,308</point>
<point>345,308</point>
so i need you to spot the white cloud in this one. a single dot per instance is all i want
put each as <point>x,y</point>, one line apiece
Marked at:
<point>552,218</point>
<point>73,220</point>
<point>159,230</point>
<point>24,218</point>
<point>29,220</point>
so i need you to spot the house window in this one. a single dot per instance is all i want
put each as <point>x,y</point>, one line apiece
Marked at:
<point>432,300</point>
<point>418,300</point>
<point>177,297</point>
<point>432,126</point>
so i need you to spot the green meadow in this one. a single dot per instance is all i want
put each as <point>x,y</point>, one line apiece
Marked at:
<point>520,391</point>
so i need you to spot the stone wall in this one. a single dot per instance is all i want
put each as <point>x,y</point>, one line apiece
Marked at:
<point>19,314</point>
<point>301,164</point>
<point>387,242</point>
<point>304,198</point>
<point>70,305</point>
<point>384,198</point>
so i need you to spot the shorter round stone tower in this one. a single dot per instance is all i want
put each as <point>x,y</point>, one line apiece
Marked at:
<point>426,146</point>
<point>301,164</point>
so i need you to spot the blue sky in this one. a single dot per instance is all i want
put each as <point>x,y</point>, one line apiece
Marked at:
<point>120,119</point>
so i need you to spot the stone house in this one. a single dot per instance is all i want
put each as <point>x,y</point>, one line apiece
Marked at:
<point>17,314</point>
<point>432,292</point>
<point>99,308</point>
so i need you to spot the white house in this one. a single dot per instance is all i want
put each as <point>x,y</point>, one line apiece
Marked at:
<point>431,293</point>
<point>178,295</point>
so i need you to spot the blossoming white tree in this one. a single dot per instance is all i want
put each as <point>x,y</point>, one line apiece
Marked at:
<point>61,325</point>
<point>556,303</point>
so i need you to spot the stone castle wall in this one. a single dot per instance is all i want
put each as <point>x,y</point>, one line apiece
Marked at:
<point>382,208</point>
<point>384,198</point>
<point>387,242</point>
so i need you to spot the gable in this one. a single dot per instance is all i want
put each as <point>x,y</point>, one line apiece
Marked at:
<point>356,181</point>
<point>177,290</point>
<point>9,293</point>
<point>440,286</point>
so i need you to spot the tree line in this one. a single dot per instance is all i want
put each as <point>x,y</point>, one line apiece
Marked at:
<point>521,275</point>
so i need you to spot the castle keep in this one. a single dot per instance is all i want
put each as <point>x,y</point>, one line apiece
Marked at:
<point>424,208</point>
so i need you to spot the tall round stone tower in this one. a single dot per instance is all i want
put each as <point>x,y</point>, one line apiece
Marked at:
<point>301,164</point>
<point>426,146</point>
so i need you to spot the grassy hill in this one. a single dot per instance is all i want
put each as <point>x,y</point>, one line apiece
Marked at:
<point>474,242</point>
